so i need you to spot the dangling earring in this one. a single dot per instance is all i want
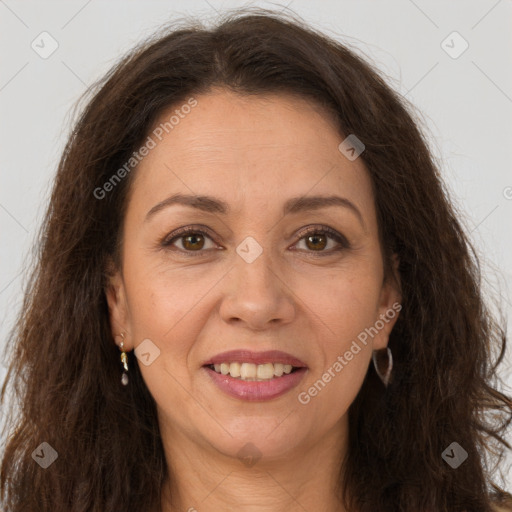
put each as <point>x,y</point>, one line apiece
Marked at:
<point>124,361</point>
<point>377,362</point>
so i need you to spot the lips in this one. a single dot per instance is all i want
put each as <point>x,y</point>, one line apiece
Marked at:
<point>248,356</point>
<point>248,386</point>
<point>255,390</point>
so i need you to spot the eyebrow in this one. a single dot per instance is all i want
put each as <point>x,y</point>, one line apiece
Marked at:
<point>293,205</point>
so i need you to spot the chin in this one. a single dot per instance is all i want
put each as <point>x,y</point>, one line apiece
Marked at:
<point>257,439</point>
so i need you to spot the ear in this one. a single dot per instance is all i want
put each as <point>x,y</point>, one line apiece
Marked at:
<point>389,307</point>
<point>118,307</point>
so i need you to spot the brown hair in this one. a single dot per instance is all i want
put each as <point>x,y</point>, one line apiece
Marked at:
<point>65,371</point>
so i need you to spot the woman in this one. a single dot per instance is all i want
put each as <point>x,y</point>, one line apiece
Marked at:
<point>252,293</point>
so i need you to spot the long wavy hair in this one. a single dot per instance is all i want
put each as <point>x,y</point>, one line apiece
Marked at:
<point>64,369</point>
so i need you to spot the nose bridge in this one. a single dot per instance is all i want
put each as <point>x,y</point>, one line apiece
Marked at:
<point>255,265</point>
<point>257,294</point>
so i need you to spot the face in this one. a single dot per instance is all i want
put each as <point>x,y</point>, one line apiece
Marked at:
<point>257,271</point>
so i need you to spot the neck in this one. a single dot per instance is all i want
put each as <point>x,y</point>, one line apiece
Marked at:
<point>207,481</point>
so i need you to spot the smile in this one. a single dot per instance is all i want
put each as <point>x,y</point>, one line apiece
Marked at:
<point>253,372</point>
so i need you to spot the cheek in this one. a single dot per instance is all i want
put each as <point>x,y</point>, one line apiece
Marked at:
<point>168,308</point>
<point>345,302</point>
<point>161,311</point>
<point>341,312</point>
<point>161,297</point>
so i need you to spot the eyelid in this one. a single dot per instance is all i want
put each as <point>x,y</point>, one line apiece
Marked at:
<point>185,230</point>
<point>169,239</point>
<point>318,228</point>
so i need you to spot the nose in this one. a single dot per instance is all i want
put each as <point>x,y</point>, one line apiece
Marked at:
<point>257,297</point>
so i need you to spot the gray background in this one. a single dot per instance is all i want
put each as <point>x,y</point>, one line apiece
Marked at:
<point>464,103</point>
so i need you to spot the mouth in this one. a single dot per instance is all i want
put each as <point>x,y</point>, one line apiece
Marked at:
<point>255,376</point>
<point>255,384</point>
<point>253,372</point>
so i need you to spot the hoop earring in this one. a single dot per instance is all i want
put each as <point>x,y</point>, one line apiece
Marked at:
<point>377,356</point>
<point>124,361</point>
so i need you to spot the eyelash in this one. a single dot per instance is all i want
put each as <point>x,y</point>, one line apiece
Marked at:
<point>316,230</point>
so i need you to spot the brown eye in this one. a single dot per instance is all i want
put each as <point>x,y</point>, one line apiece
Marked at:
<point>323,240</point>
<point>316,242</point>
<point>320,240</point>
<point>189,240</point>
<point>193,242</point>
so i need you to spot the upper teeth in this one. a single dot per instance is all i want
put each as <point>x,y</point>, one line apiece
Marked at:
<point>250,371</point>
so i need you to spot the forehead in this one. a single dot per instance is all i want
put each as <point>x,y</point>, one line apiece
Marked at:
<point>261,148</point>
<point>225,125</point>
